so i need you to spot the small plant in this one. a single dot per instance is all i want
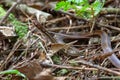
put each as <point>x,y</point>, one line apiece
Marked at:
<point>82,8</point>
<point>16,72</point>
<point>62,72</point>
<point>21,29</point>
<point>73,63</point>
<point>2,12</point>
<point>56,59</point>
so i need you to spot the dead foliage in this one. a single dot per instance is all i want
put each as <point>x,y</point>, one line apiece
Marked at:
<point>60,45</point>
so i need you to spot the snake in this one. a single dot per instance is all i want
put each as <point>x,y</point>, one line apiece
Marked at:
<point>105,43</point>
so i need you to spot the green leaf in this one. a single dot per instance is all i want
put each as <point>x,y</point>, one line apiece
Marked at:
<point>11,17</point>
<point>2,12</point>
<point>73,63</point>
<point>13,72</point>
<point>97,6</point>
<point>85,12</point>
<point>56,59</point>
<point>63,5</point>
<point>79,2</point>
<point>82,7</point>
<point>63,72</point>
<point>20,28</point>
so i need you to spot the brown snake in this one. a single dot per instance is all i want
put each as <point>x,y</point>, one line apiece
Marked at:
<point>105,43</point>
<point>106,46</point>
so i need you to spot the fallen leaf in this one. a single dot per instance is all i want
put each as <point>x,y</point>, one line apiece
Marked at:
<point>30,68</point>
<point>55,47</point>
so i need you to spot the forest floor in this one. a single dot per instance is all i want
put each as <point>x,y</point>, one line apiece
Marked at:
<point>38,42</point>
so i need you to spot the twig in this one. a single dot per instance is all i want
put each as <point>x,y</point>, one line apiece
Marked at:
<point>43,30</point>
<point>67,67</point>
<point>9,11</point>
<point>17,44</point>
<point>56,20</point>
<point>110,11</point>
<point>109,26</point>
<point>108,78</point>
<point>65,28</point>
<point>37,13</point>
<point>85,63</point>
<point>98,67</point>
<point>103,11</point>
<point>102,56</point>
<point>99,24</point>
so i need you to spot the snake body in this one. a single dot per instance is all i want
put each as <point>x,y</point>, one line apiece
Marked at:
<point>105,43</point>
<point>106,46</point>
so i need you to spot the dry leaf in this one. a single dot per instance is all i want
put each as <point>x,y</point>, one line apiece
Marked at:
<point>44,75</point>
<point>6,32</point>
<point>60,78</point>
<point>42,56</point>
<point>55,47</point>
<point>34,71</point>
<point>30,68</point>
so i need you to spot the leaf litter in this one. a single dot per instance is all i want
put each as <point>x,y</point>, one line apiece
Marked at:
<point>60,47</point>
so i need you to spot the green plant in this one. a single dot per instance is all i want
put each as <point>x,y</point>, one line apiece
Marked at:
<point>73,63</point>
<point>14,72</point>
<point>56,59</point>
<point>2,12</point>
<point>62,72</point>
<point>21,29</point>
<point>82,8</point>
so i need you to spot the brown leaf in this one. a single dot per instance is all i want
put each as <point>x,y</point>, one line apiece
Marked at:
<point>60,78</point>
<point>34,71</point>
<point>42,56</point>
<point>30,68</point>
<point>6,32</point>
<point>44,75</point>
<point>55,47</point>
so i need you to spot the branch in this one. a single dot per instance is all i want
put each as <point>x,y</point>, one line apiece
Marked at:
<point>30,10</point>
<point>9,11</point>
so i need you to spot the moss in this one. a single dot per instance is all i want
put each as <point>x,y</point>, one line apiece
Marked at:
<point>21,29</point>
